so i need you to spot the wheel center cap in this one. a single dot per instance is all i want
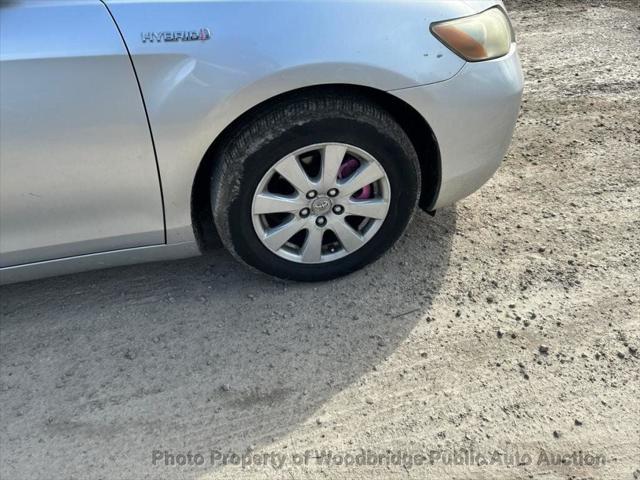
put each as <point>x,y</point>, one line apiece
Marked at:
<point>321,205</point>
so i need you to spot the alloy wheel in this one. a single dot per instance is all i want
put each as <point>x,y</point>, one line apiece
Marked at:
<point>321,203</point>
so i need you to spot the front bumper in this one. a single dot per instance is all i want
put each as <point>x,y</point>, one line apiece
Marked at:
<point>472,116</point>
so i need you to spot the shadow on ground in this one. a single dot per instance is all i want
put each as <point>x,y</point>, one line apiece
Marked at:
<point>101,368</point>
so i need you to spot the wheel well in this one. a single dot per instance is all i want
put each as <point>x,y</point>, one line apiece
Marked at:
<point>415,126</point>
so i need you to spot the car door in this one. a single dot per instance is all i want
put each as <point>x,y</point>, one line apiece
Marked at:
<point>78,173</point>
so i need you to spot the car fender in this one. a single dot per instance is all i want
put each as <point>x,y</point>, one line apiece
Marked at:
<point>256,50</point>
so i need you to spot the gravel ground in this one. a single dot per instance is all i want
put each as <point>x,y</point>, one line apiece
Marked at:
<point>506,326</point>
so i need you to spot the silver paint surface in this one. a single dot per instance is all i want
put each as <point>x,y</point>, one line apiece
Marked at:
<point>264,48</point>
<point>77,169</point>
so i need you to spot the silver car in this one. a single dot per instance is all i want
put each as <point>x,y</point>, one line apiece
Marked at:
<point>302,134</point>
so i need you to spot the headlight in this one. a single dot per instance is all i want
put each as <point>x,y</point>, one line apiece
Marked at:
<point>479,37</point>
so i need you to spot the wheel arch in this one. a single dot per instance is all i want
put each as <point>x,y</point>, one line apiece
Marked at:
<point>412,122</point>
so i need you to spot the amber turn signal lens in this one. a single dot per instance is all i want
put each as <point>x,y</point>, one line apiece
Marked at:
<point>484,36</point>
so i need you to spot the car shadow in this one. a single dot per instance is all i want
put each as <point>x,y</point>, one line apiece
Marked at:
<point>101,368</point>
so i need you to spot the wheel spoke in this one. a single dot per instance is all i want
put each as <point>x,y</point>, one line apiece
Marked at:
<point>292,171</point>
<point>278,236</point>
<point>362,177</point>
<point>349,238</point>
<point>376,208</point>
<point>272,203</point>
<point>332,156</point>
<point>312,248</point>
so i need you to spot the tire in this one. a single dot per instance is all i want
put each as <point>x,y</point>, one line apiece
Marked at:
<point>249,155</point>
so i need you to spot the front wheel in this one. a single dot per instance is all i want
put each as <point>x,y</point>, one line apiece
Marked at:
<point>315,188</point>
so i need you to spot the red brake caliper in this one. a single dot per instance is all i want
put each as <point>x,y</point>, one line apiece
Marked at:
<point>350,165</point>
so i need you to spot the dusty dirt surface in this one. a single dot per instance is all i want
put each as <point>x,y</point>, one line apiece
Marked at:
<point>505,328</point>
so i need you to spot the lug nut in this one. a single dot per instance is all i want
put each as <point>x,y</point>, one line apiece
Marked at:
<point>312,194</point>
<point>333,192</point>
<point>321,221</point>
<point>338,209</point>
<point>305,212</point>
